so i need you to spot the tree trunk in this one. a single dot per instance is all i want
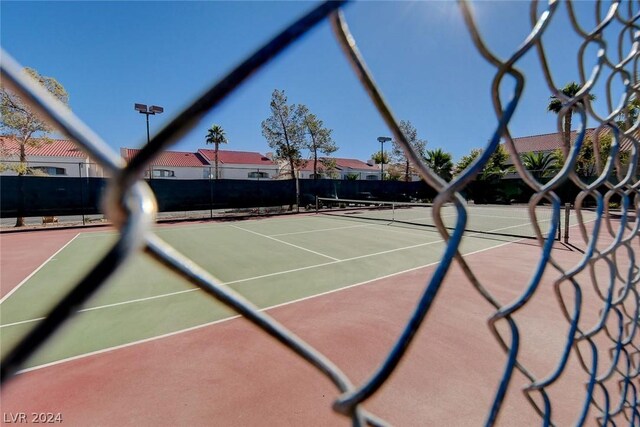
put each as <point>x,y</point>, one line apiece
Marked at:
<point>293,176</point>
<point>216,160</point>
<point>315,165</point>
<point>596,153</point>
<point>23,161</point>
<point>566,143</point>
<point>406,172</point>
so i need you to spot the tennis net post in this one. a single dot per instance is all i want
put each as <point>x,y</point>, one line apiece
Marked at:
<point>567,214</point>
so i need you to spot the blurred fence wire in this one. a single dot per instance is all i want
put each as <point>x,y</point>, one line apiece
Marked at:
<point>130,205</point>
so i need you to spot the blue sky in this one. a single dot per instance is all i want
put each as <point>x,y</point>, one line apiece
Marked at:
<point>110,55</point>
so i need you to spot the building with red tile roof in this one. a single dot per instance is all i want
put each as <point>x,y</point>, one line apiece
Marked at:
<point>171,164</point>
<point>47,156</point>
<point>236,157</point>
<point>344,168</point>
<point>240,164</point>
<point>548,142</point>
<point>169,158</point>
<point>201,164</point>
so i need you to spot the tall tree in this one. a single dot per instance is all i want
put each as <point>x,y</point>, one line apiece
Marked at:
<point>440,162</point>
<point>284,131</point>
<point>466,160</point>
<point>216,136</point>
<point>629,114</point>
<point>587,163</point>
<point>411,134</point>
<point>555,105</point>
<point>317,137</point>
<point>496,166</point>
<point>17,119</point>
<point>381,158</point>
<point>330,167</point>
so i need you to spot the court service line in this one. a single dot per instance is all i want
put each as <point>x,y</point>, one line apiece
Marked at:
<point>263,276</point>
<point>283,242</point>
<point>227,319</point>
<point>247,279</point>
<point>207,223</point>
<point>100,307</point>
<point>36,270</point>
<point>319,230</point>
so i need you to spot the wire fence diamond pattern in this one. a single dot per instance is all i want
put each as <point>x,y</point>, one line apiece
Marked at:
<point>130,204</point>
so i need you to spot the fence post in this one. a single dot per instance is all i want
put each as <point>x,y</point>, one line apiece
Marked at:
<point>567,214</point>
<point>81,193</point>
<point>297,193</point>
<point>210,195</point>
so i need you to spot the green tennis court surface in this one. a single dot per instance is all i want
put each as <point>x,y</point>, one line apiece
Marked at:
<point>269,261</point>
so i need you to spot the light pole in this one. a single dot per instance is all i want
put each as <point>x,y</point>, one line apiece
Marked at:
<point>153,110</point>
<point>382,140</point>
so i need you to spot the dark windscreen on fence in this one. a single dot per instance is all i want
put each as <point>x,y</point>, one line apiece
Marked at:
<point>40,196</point>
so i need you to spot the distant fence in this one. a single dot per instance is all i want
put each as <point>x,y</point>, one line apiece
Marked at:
<point>42,196</point>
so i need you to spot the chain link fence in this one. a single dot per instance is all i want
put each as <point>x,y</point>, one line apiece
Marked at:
<point>129,203</point>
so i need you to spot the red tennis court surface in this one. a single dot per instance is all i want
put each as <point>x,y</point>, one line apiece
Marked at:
<point>232,374</point>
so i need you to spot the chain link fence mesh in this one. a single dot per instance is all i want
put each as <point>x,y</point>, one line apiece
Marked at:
<point>611,385</point>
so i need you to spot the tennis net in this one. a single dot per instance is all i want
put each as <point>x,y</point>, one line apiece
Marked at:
<point>500,220</point>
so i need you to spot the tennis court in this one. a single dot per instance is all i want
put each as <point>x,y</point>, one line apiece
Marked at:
<point>271,262</point>
<point>292,266</point>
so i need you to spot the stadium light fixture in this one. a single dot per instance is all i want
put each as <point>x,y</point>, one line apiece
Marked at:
<point>382,140</point>
<point>150,111</point>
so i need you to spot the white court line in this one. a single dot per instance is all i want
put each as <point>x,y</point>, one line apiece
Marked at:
<point>336,261</point>
<point>210,223</point>
<point>248,279</point>
<point>215,322</point>
<point>319,230</point>
<point>36,270</point>
<point>37,319</point>
<point>285,243</point>
<point>100,307</point>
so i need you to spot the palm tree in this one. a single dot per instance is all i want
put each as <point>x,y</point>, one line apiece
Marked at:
<point>555,105</point>
<point>540,164</point>
<point>216,136</point>
<point>440,162</point>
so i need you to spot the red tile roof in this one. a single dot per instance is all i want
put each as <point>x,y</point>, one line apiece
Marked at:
<point>54,148</point>
<point>170,158</point>
<point>552,141</point>
<point>236,157</point>
<point>544,142</point>
<point>354,164</point>
<point>308,166</point>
